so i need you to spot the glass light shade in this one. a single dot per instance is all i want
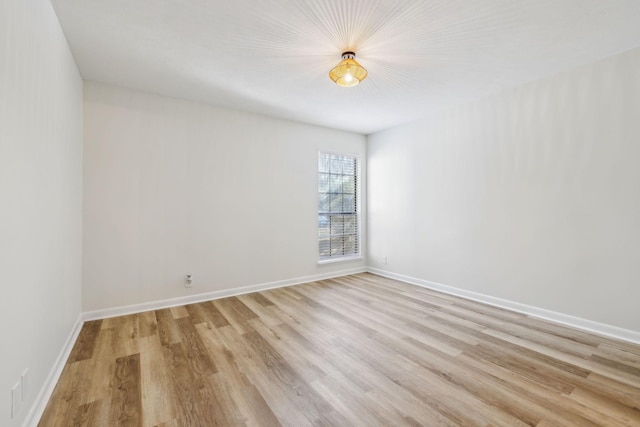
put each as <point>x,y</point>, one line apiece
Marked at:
<point>348,72</point>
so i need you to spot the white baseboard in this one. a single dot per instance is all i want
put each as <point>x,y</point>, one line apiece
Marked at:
<point>565,319</point>
<point>37,409</point>
<point>207,296</point>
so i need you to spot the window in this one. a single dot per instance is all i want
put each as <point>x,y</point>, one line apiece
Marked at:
<point>338,222</point>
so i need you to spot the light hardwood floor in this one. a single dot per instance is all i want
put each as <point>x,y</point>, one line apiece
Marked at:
<point>360,350</point>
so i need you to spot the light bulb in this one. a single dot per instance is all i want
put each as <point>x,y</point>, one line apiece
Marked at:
<point>348,77</point>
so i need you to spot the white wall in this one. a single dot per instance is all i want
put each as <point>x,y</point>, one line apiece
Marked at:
<point>532,195</point>
<point>40,196</point>
<point>173,187</point>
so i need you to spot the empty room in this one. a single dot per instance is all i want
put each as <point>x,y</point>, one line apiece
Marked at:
<point>320,213</point>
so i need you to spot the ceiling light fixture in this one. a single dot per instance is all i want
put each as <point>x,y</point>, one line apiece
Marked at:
<point>348,72</point>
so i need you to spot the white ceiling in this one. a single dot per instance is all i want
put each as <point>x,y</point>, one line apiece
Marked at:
<point>272,56</point>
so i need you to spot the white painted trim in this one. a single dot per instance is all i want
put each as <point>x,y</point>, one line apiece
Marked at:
<point>207,296</point>
<point>565,319</point>
<point>334,260</point>
<point>37,409</point>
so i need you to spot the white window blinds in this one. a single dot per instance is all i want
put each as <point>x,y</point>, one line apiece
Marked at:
<point>338,227</point>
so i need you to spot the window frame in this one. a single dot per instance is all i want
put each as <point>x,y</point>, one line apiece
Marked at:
<point>358,209</point>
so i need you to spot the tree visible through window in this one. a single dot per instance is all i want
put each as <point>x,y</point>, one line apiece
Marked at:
<point>338,206</point>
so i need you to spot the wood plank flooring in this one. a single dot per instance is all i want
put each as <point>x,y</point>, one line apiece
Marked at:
<point>360,350</point>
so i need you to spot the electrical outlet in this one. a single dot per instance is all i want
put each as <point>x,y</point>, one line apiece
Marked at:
<point>384,260</point>
<point>189,282</point>
<point>16,399</point>
<point>24,379</point>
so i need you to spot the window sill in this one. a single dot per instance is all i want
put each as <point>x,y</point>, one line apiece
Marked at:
<point>341,259</point>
